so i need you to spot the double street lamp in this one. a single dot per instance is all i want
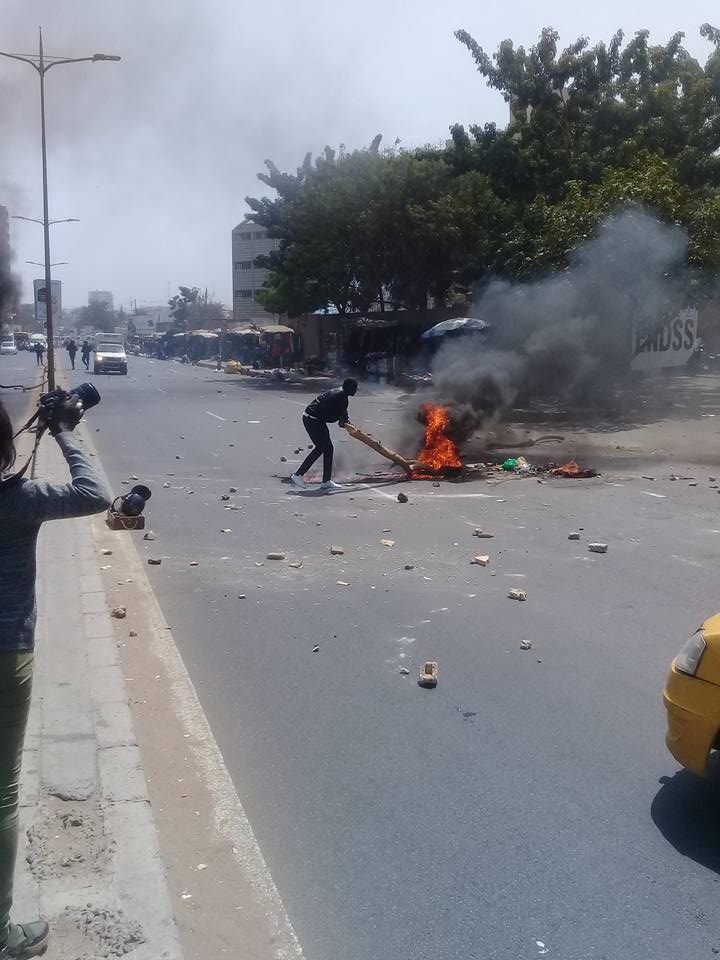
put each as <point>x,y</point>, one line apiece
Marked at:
<point>41,65</point>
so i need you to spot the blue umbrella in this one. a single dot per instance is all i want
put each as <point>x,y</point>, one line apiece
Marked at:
<point>459,324</point>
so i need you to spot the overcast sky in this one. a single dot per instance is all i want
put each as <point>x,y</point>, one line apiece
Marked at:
<point>155,154</point>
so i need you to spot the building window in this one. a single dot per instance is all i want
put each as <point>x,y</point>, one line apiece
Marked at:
<point>243,264</point>
<point>260,235</point>
<point>245,294</point>
<point>244,236</point>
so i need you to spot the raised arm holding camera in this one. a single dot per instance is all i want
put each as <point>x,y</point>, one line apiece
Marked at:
<point>24,506</point>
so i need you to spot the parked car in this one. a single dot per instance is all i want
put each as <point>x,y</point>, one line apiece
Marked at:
<point>110,358</point>
<point>7,345</point>
<point>692,699</point>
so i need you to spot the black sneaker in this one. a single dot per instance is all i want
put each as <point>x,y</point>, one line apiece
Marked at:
<point>26,940</point>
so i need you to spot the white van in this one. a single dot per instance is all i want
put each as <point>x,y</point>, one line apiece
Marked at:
<point>8,346</point>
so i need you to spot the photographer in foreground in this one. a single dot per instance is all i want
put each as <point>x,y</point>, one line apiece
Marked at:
<point>24,506</point>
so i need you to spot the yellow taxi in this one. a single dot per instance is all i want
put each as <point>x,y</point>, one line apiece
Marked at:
<point>692,699</point>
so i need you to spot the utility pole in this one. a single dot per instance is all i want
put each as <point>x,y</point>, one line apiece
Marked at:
<point>41,66</point>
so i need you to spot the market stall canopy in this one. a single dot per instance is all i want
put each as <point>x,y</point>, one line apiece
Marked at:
<point>276,328</point>
<point>458,325</point>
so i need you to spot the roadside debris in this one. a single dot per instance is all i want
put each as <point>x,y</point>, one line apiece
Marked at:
<point>343,583</point>
<point>516,594</point>
<point>409,566</point>
<point>150,535</point>
<point>525,644</point>
<point>388,543</point>
<point>337,551</point>
<point>428,674</point>
<point>574,535</point>
<point>316,648</point>
<point>481,561</point>
<point>402,498</point>
<point>295,564</point>
<point>233,489</point>
<point>106,553</point>
<point>483,534</point>
<point>275,556</point>
<point>154,561</point>
<point>403,671</point>
<point>119,613</point>
<point>226,530</point>
<point>597,547</point>
<point>194,563</point>
<point>225,496</point>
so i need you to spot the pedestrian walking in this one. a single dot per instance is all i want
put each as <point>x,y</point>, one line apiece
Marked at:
<point>71,348</point>
<point>39,353</point>
<point>329,407</point>
<point>85,354</point>
<point>24,506</point>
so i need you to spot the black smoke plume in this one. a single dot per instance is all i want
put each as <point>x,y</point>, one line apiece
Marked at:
<point>569,335</point>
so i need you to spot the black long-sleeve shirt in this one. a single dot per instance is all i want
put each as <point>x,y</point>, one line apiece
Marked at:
<point>330,407</point>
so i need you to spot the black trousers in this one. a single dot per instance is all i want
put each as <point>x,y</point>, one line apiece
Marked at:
<point>320,436</point>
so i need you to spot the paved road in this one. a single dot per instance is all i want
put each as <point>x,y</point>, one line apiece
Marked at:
<point>527,807</point>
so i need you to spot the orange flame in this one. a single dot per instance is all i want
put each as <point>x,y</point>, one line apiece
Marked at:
<point>439,450</point>
<point>573,469</point>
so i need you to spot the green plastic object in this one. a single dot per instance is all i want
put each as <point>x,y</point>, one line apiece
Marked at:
<point>510,464</point>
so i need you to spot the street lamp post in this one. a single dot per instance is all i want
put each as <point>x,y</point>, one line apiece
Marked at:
<point>41,66</point>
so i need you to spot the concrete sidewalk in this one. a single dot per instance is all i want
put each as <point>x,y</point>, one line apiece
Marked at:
<point>89,861</point>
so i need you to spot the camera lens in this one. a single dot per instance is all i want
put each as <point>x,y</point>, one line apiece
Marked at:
<point>88,395</point>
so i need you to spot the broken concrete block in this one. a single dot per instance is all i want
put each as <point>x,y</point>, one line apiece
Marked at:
<point>337,551</point>
<point>409,566</point>
<point>388,543</point>
<point>106,553</point>
<point>343,583</point>
<point>283,459</point>
<point>516,594</point>
<point>119,613</point>
<point>481,561</point>
<point>573,535</point>
<point>483,534</point>
<point>597,547</point>
<point>296,564</point>
<point>226,530</point>
<point>154,561</point>
<point>225,496</point>
<point>166,486</point>
<point>194,563</point>
<point>525,644</point>
<point>233,489</point>
<point>428,674</point>
<point>149,535</point>
<point>403,671</point>
<point>402,498</point>
<point>275,555</point>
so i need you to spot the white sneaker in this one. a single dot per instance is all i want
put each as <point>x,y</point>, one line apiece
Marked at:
<point>298,481</point>
<point>330,485</point>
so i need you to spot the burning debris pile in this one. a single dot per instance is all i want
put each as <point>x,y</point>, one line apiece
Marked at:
<point>439,455</point>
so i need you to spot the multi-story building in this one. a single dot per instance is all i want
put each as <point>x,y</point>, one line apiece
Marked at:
<point>248,242</point>
<point>101,296</point>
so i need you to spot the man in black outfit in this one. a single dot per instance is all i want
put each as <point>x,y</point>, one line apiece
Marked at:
<point>330,407</point>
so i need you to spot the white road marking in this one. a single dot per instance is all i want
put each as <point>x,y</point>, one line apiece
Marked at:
<point>649,493</point>
<point>690,563</point>
<point>160,390</point>
<point>435,496</point>
<point>211,414</point>
<point>299,403</point>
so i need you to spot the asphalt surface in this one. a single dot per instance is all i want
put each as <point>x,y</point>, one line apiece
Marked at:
<point>527,806</point>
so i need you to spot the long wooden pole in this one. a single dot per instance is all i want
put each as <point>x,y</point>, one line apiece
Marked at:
<point>408,465</point>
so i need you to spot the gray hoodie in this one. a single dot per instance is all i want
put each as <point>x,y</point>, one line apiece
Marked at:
<point>24,506</point>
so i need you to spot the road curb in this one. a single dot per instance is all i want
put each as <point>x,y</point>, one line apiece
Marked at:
<point>90,860</point>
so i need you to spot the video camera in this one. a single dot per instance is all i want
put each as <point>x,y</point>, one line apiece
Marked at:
<point>51,403</point>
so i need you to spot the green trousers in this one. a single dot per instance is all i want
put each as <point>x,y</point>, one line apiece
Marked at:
<point>16,670</point>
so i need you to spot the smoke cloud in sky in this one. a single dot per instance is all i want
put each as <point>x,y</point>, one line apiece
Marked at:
<point>155,154</point>
<point>567,335</point>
